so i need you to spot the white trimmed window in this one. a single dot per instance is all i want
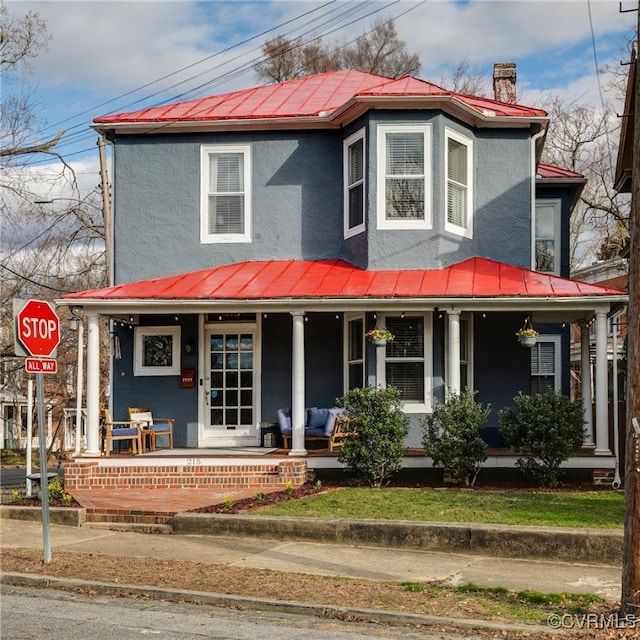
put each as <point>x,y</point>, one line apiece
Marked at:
<point>354,184</point>
<point>156,351</point>
<point>459,181</point>
<point>225,209</point>
<point>404,177</point>
<point>354,353</point>
<point>547,236</point>
<point>408,365</point>
<point>545,364</point>
<point>466,351</point>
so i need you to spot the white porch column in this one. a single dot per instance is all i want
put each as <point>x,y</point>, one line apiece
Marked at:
<point>602,413</point>
<point>298,417</point>
<point>453,353</point>
<point>586,390</point>
<point>93,385</point>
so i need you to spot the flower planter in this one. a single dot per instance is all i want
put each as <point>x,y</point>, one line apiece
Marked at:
<point>380,342</point>
<point>528,341</point>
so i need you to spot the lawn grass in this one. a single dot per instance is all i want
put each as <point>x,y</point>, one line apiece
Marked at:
<point>598,509</point>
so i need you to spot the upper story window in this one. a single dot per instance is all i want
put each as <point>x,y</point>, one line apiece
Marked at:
<point>354,184</point>
<point>459,181</point>
<point>547,236</point>
<point>225,210</point>
<point>404,177</point>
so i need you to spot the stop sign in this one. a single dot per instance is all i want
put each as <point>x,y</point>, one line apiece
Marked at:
<point>38,328</point>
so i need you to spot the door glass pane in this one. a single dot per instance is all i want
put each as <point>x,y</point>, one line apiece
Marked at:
<point>231,369</point>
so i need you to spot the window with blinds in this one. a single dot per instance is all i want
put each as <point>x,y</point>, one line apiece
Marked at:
<point>225,214</point>
<point>459,174</point>
<point>354,180</point>
<point>405,357</point>
<point>355,353</point>
<point>545,364</point>
<point>404,176</point>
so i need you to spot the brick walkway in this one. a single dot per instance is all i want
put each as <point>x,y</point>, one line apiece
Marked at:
<point>151,506</point>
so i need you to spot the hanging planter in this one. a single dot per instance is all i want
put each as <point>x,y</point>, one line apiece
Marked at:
<point>379,337</point>
<point>528,336</point>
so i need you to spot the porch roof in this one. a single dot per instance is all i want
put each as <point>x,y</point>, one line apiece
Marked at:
<point>336,279</point>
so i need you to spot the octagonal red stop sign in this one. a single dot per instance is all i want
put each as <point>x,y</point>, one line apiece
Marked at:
<point>38,328</point>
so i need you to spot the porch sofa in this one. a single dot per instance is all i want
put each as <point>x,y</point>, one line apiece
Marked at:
<point>322,425</point>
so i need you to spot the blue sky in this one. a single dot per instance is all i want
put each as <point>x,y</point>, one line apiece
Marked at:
<point>109,56</point>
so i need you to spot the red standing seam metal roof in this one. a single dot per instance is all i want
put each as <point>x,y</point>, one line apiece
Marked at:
<point>549,171</point>
<point>305,97</point>
<point>335,279</point>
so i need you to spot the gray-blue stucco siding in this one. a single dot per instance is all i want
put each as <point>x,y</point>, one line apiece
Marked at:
<point>297,201</point>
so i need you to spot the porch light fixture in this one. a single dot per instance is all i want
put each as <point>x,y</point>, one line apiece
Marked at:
<point>189,346</point>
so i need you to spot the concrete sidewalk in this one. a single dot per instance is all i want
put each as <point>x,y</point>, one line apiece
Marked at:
<point>350,560</point>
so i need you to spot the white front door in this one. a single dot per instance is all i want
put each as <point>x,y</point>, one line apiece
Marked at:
<point>230,385</point>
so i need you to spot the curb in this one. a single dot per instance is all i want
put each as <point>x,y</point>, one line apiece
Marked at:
<point>66,516</point>
<point>281,606</point>
<point>596,546</point>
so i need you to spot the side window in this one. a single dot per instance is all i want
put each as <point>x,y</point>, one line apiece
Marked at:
<point>404,177</point>
<point>466,363</point>
<point>407,365</point>
<point>354,184</point>
<point>545,364</point>
<point>156,351</point>
<point>459,183</point>
<point>354,356</point>
<point>225,209</point>
<point>547,236</point>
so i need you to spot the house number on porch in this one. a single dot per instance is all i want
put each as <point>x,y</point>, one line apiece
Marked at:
<point>193,461</point>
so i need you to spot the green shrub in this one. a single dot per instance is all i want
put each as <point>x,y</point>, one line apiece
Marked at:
<point>546,429</point>
<point>57,491</point>
<point>375,453</point>
<point>452,435</point>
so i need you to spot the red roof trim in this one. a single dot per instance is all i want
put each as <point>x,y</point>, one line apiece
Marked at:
<point>318,279</point>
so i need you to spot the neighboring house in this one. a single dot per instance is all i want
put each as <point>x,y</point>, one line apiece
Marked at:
<point>259,234</point>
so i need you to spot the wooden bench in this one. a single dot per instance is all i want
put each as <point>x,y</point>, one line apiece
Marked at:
<point>342,428</point>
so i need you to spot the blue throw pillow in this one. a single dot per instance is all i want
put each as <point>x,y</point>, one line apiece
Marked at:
<point>331,420</point>
<point>316,418</point>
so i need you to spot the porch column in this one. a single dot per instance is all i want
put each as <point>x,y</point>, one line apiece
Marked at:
<point>93,385</point>
<point>298,417</point>
<point>586,391</point>
<point>453,353</point>
<point>602,413</point>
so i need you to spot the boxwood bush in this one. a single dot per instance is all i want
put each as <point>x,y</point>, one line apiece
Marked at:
<point>375,454</point>
<point>546,428</point>
<point>452,435</point>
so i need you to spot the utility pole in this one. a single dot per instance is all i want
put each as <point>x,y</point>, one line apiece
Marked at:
<point>630,600</point>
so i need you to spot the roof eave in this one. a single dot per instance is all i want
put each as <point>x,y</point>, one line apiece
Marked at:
<point>359,105</point>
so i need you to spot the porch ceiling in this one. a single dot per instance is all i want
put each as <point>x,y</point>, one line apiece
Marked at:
<point>476,282</point>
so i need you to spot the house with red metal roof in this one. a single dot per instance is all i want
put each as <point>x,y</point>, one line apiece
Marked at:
<point>258,235</point>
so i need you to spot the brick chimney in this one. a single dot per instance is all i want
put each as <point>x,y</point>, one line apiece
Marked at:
<point>504,82</point>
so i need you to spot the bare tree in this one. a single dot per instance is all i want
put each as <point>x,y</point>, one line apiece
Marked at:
<point>378,50</point>
<point>49,248</point>
<point>582,138</point>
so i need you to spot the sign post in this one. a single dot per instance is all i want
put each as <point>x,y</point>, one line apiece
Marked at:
<point>37,335</point>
